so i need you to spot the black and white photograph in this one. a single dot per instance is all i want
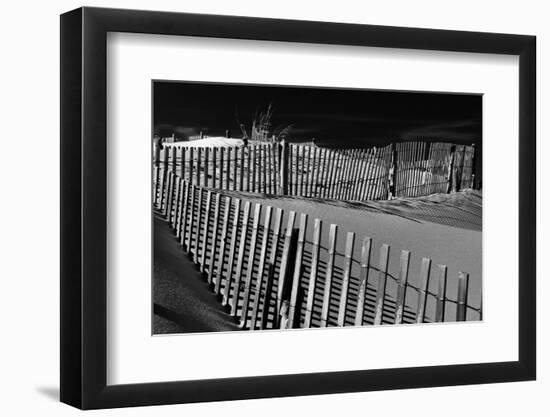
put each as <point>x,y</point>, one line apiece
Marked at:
<point>279,207</point>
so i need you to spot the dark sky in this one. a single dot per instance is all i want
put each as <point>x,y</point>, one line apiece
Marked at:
<point>332,116</point>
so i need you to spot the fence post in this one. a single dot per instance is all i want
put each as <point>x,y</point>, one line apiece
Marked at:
<point>350,242</point>
<point>473,177</point>
<point>392,174</point>
<point>240,259</point>
<point>232,249</point>
<point>328,277</point>
<point>451,178</point>
<point>381,290</point>
<point>363,280</point>
<point>287,265</point>
<point>283,168</point>
<point>267,296</point>
<point>261,266</point>
<point>317,228</point>
<point>423,289</point>
<point>250,267</point>
<point>463,279</point>
<point>402,286</point>
<point>296,289</point>
<point>223,247</point>
<point>441,294</point>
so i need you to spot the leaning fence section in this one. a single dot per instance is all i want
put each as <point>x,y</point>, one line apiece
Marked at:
<point>281,269</point>
<point>344,174</point>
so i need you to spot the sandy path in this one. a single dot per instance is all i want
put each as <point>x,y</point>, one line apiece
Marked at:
<point>182,300</point>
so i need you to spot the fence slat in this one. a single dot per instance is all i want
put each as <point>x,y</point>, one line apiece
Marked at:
<point>168,195</point>
<point>174,159</point>
<point>266,168</point>
<point>269,287</point>
<point>352,175</point>
<point>344,174</point>
<point>156,172</point>
<point>161,180</point>
<point>232,162</point>
<point>331,182</point>
<point>317,169</point>
<point>402,285</point>
<point>332,236</point>
<point>294,168</point>
<point>350,241</point>
<point>310,167</point>
<point>423,289</point>
<point>267,296</point>
<point>199,223</point>
<point>463,281</point>
<point>215,237</point>
<point>165,158</point>
<point>240,259</point>
<point>179,206</point>
<point>206,167</point>
<point>261,266</point>
<point>250,265</point>
<point>225,167</point>
<point>206,228</point>
<point>185,206</point>
<point>232,249</point>
<point>215,174</point>
<point>382,277</point>
<point>272,169</point>
<point>223,246</point>
<point>441,293</point>
<point>173,204</point>
<point>297,272</point>
<point>323,174</point>
<point>363,280</point>
<point>198,166</point>
<point>189,232</point>
<point>284,268</point>
<point>183,203</point>
<point>357,179</point>
<point>252,169</point>
<point>302,164</point>
<point>248,175</point>
<point>317,229</point>
<point>185,163</point>
<point>192,165</point>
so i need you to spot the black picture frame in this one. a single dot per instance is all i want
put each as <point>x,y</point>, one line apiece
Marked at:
<point>84,192</point>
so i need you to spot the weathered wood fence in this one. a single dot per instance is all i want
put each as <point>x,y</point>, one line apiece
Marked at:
<point>407,169</point>
<point>277,269</point>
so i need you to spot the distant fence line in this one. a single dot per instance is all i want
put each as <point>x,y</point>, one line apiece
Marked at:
<point>405,169</point>
<point>275,269</point>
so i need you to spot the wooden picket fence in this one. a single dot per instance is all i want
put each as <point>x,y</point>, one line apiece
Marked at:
<point>253,168</point>
<point>274,269</point>
<point>406,169</point>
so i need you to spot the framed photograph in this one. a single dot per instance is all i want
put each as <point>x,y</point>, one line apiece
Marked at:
<point>257,208</point>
